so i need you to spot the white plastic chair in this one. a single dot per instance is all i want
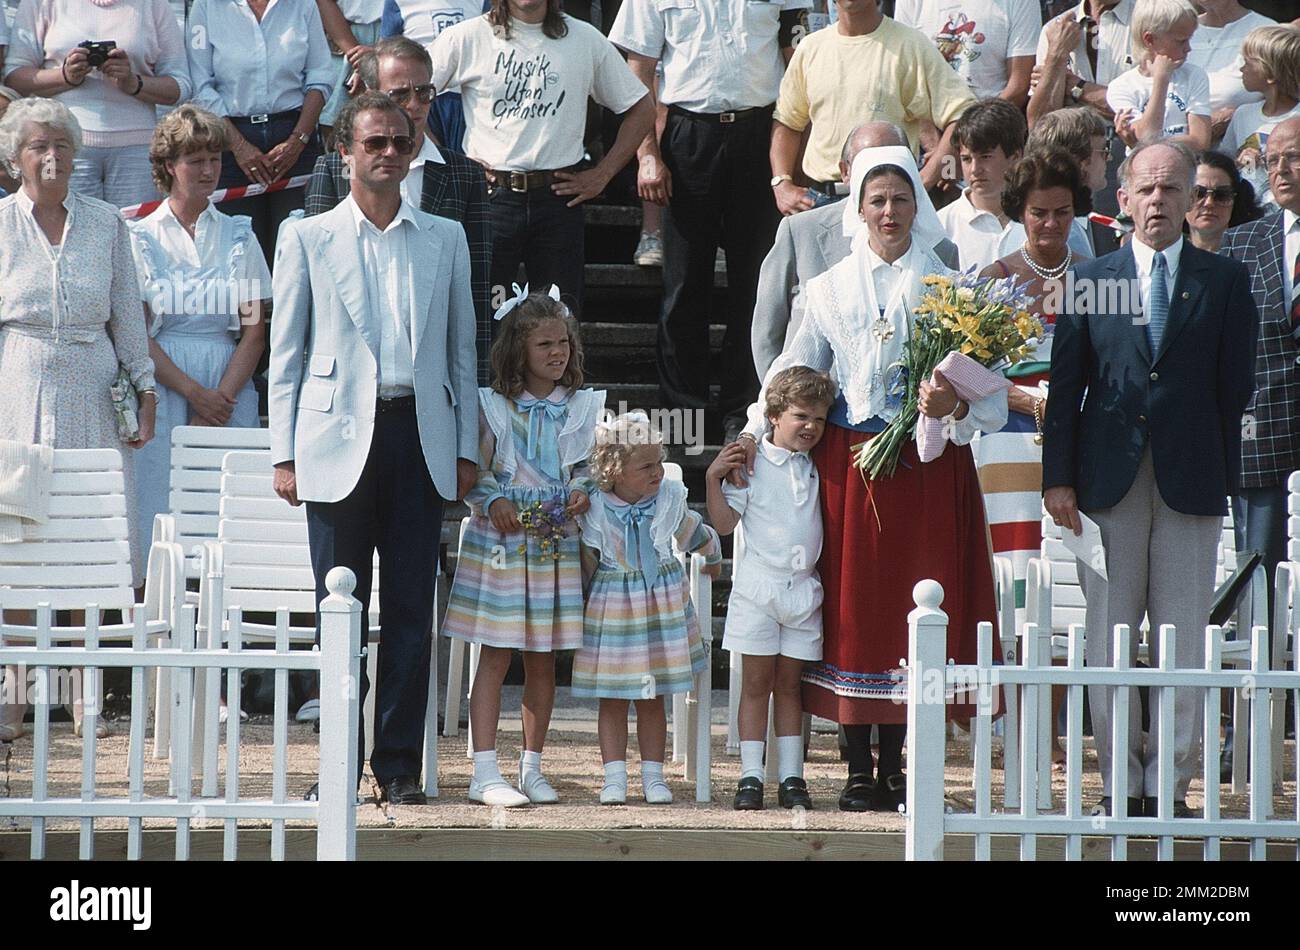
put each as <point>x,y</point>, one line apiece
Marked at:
<point>191,519</point>
<point>82,557</point>
<point>261,562</point>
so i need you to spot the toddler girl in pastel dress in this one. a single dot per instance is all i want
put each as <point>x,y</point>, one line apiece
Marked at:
<point>518,583</point>
<point>641,639</point>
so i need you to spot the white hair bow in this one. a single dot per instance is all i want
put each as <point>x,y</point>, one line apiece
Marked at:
<point>520,296</point>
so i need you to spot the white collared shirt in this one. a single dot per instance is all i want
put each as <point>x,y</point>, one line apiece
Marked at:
<point>717,55</point>
<point>413,183</point>
<point>1290,251</point>
<point>976,233</point>
<point>223,249</point>
<point>386,263</point>
<point>778,508</point>
<point>1113,55</point>
<point>1144,257</point>
<point>245,68</point>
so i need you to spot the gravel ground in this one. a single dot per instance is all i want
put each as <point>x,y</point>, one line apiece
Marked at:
<point>573,765</point>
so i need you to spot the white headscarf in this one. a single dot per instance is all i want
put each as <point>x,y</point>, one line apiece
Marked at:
<point>926,229</point>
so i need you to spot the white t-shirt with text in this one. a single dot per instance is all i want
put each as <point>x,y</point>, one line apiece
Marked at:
<point>1188,94</point>
<point>526,97</point>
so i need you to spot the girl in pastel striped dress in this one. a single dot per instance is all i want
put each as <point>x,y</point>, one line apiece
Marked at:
<point>518,580</point>
<point>641,639</point>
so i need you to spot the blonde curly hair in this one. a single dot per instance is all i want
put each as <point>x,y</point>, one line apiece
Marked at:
<point>617,438</point>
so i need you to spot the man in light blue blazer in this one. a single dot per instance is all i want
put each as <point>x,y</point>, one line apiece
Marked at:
<point>373,405</point>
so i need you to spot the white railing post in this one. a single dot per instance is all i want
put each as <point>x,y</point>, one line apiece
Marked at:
<point>926,707</point>
<point>340,688</point>
<point>702,595</point>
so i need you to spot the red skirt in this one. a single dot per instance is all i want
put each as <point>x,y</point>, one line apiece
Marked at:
<point>931,525</point>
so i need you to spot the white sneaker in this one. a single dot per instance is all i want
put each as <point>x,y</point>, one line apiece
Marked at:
<point>657,792</point>
<point>649,251</point>
<point>613,793</point>
<point>535,786</point>
<point>496,793</point>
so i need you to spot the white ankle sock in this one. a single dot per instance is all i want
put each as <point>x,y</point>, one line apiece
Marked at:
<point>653,785</point>
<point>530,762</point>
<point>486,771</point>
<point>751,759</point>
<point>789,756</point>
<point>616,772</point>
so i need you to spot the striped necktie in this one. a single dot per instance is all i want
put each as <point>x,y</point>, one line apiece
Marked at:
<point>1295,291</point>
<point>1157,302</point>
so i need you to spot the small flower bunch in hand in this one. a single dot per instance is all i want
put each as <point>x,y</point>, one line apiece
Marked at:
<point>545,521</point>
<point>983,319</point>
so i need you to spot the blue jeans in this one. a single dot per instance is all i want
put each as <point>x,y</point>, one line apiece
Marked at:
<point>537,229</point>
<point>268,211</point>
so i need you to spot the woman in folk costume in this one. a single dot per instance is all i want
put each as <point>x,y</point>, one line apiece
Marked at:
<point>924,521</point>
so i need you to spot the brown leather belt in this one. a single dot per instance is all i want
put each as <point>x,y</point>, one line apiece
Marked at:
<point>520,181</point>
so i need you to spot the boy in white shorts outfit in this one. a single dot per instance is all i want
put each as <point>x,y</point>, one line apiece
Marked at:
<point>774,617</point>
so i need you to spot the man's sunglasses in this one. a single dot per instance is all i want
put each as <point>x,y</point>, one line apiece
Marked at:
<point>423,92</point>
<point>1220,196</point>
<point>378,144</point>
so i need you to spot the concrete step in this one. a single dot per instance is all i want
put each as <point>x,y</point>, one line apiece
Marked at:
<point>612,216</point>
<point>632,276</point>
<point>619,336</point>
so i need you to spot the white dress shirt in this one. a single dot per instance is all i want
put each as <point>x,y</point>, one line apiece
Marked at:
<point>717,55</point>
<point>387,266</point>
<point>413,183</point>
<point>245,68</point>
<point>1144,256</point>
<point>1113,55</point>
<point>1290,251</point>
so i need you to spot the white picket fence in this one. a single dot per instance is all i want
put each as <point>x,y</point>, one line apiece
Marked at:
<point>337,662</point>
<point>931,682</point>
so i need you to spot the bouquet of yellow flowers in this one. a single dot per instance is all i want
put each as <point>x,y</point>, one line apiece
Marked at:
<point>986,321</point>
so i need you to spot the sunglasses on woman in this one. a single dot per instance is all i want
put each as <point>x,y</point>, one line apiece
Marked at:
<point>423,92</point>
<point>378,144</point>
<point>1221,195</point>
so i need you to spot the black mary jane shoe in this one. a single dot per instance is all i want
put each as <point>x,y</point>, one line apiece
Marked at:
<point>749,795</point>
<point>891,793</point>
<point>793,793</point>
<point>859,791</point>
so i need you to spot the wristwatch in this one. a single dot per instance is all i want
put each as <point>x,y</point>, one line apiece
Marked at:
<point>303,137</point>
<point>777,179</point>
<point>1076,91</point>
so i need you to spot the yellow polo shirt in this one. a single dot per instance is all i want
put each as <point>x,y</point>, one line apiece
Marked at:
<point>838,82</point>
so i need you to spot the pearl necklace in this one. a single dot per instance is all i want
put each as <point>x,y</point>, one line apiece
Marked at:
<point>1047,273</point>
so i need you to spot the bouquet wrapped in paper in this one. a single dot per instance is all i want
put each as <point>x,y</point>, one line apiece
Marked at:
<point>965,326</point>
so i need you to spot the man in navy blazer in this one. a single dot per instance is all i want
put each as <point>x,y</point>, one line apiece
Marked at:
<point>1152,365</point>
